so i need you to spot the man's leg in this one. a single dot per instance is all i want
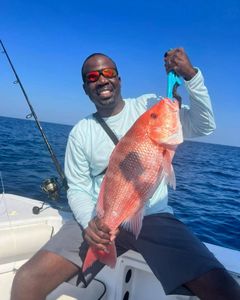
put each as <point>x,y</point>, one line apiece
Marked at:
<point>59,260</point>
<point>216,284</point>
<point>181,262</point>
<point>40,275</point>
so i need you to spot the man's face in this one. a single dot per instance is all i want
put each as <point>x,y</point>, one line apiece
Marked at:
<point>105,92</point>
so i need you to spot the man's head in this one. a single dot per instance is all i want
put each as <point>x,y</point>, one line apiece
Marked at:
<point>101,81</point>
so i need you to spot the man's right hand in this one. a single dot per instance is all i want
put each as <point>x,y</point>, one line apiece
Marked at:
<point>97,234</point>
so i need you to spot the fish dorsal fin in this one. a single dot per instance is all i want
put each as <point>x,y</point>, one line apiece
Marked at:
<point>168,168</point>
<point>134,224</point>
<point>100,207</point>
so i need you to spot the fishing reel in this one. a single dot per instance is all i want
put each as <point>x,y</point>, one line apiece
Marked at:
<point>52,188</point>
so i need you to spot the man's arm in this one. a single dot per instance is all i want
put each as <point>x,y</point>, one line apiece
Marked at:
<point>80,196</point>
<point>197,120</point>
<point>79,181</point>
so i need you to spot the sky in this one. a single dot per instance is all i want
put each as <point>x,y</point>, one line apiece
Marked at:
<point>48,41</point>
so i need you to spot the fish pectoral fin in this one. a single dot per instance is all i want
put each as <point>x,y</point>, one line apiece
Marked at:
<point>134,224</point>
<point>168,168</point>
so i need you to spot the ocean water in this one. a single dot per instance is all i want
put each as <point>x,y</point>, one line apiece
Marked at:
<point>207,197</point>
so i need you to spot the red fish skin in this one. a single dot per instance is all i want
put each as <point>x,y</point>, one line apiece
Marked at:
<point>139,162</point>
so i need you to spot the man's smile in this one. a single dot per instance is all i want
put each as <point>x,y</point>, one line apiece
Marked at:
<point>105,91</point>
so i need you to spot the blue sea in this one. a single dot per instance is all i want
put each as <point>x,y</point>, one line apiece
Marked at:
<point>207,197</point>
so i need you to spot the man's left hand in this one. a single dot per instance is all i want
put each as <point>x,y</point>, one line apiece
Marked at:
<point>177,60</point>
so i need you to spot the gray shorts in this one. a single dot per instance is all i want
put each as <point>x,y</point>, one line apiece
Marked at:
<point>172,252</point>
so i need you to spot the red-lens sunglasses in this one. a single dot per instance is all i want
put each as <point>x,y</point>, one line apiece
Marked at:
<point>93,76</point>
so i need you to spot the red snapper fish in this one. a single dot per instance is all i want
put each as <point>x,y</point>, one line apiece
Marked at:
<point>138,164</point>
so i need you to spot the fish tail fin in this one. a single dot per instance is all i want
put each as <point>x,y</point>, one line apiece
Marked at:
<point>108,258</point>
<point>90,258</point>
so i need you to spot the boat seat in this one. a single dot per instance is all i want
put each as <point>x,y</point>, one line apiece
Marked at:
<point>21,242</point>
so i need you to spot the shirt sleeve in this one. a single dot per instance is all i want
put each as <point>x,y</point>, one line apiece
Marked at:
<point>79,181</point>
<point>197,119</point>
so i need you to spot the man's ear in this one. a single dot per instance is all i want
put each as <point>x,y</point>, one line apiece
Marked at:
<point>119,78</point>
<point>85,88</point>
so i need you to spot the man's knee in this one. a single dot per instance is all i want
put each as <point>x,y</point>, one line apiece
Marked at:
<point>215,284</point>
<point>41,274</point>
<point>24,284</point>
<point>21,276</point>
<point>26,277</point>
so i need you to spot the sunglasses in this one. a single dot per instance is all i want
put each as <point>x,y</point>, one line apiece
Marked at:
<point>93,76</point>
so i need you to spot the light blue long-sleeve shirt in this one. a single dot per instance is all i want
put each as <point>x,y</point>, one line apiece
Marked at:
<point>89,148</point>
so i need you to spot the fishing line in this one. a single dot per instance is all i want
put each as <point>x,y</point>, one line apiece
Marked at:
<point>3,194</point>
<point>3,189</point>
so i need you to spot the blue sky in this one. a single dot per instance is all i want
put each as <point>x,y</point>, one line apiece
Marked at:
<point>48,41</point>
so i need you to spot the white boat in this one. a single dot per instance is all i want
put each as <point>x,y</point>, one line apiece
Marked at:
<point>22,233</point>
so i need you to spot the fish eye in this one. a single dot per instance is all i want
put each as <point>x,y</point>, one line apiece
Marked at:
<point>153,115</point>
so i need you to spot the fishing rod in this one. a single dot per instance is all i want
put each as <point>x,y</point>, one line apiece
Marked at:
<point>50,186</point>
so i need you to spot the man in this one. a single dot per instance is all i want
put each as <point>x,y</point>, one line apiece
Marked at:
<point>183,262</point>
